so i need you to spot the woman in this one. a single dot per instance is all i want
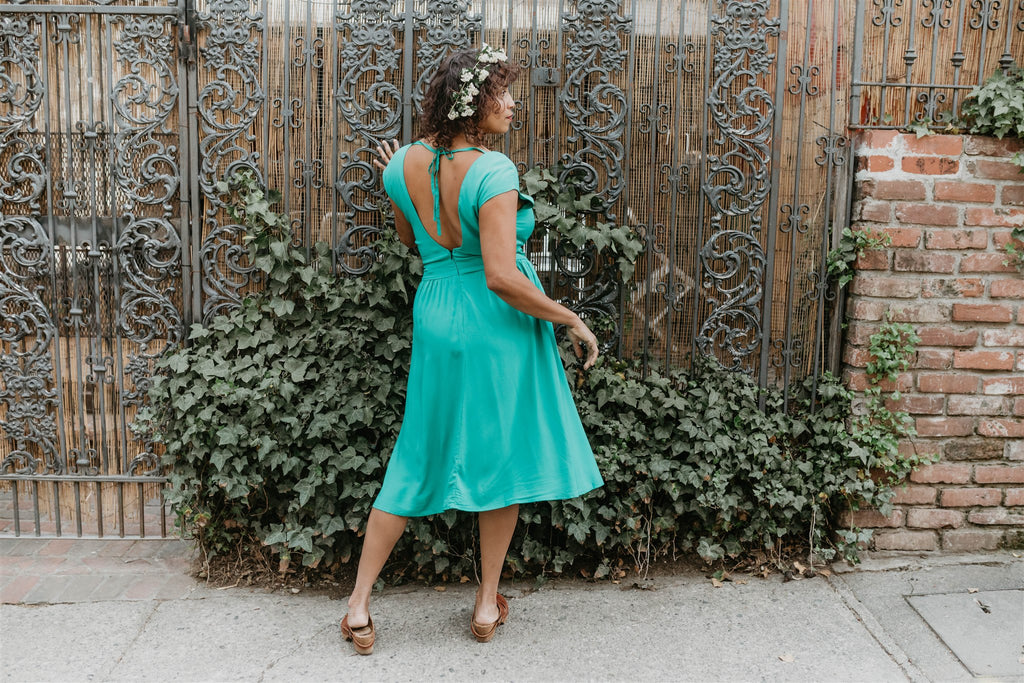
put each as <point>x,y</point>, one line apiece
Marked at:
<point>489,420</point>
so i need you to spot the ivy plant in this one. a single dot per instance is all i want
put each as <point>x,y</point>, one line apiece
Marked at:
<point>561,205</point>
<point>852,245</point>
<point>996,107</point>
<point>1014,250</point>
<point>279,416</point>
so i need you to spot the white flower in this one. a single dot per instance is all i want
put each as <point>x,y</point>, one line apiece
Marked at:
<point>484,73</point>
<point>467,75</point>
<point>472,90</point>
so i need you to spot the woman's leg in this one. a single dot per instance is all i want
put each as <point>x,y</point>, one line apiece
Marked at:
<point>496,529</point>
<point>383,530</point>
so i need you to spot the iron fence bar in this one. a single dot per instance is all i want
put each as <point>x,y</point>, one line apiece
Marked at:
<point>115,265</point>
<point>702,175</point>
<point>560,65</point>
<point>853,119</point>
<point>958,56</point>
<point>62,435</point>
<point>982,23</point>
<point>184,35</point>
<point>163,512</point>
<point>285,112</point>
<point>533,61</point>
<point>821,283</point>
<point>935,23</point>
<point>771,226</point>
<point>887,18</point>
<point>796,209</point>
<point>909,85</point>
<point>308,55</point>
<point>627,133</point>
<point>75,486</point>
<point>56,508</point>
<point>649,297</point>
<point>675,171</point>
<point>98,371</point>
<point>193,305</point>
<point>70,203</point>
<point>1006,60</point>
<point>35,506</point>
<point>549,238</point>
<point>909,57</point>
<point>142,509</point>
<point>408,67</point>
<point>120,511</point>
<point>264,67</point>
<point>330,99</point>
<point>17,509</point>
<point>99,508</point>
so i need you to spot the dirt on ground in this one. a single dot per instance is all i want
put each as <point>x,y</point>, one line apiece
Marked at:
<point>255,567</point>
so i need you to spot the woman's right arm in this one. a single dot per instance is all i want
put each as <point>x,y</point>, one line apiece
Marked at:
<point>405,234</point>
<point>404,228</point>
<point>498,249</point>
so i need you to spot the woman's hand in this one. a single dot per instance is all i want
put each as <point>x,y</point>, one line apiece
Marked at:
<point>386,151</point>
<point>583,339</point>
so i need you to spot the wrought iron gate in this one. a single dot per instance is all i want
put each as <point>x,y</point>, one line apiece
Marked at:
<point>717,129</point>
<point>94,237</point>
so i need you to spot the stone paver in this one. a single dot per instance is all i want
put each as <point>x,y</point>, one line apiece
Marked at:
<point>41,571</point>
<point>16,590</point>
<point>145,618</point>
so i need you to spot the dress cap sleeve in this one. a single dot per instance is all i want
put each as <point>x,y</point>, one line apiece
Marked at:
<point>499,176</point>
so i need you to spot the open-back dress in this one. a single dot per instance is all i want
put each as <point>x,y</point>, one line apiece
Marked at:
<point>489,418</point>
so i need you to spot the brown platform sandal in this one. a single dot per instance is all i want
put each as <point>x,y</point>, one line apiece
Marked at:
<point>362,638</point>
<point>484,632</point>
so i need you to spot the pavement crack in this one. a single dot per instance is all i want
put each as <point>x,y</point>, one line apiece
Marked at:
<point>298,644</point>
<point>875,629</point>
<point>128,646</point>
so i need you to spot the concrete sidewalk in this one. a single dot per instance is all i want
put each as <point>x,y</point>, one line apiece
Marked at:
<point>123,610</point>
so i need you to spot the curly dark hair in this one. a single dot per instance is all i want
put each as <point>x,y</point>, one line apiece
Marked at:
<point>439,99</point>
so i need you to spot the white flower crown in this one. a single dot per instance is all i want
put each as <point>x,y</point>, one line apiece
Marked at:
<point>472,80</point>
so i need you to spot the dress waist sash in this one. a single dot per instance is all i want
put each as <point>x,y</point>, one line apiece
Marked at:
<point>461,264</point>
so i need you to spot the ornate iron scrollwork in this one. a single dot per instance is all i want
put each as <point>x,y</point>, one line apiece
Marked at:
<point>596,107</point>
<point>986,16</point>
<point>732,264</point>
<point>26,328</point>
<point>148,250</point>
<point>373,112</point>
<point>887,12</point>
<point>935,17</point>
<point>447,26</point>
<point>227,106</point>
<point>737,183</point>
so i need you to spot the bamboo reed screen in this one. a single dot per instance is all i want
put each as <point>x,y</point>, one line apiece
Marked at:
<point>719,130</point>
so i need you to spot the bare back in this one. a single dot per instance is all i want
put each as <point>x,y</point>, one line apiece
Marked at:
<point>451,172</point>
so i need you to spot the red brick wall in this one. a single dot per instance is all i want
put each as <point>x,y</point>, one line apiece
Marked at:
<point>949,204</point>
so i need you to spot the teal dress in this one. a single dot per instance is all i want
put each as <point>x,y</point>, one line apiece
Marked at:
<point>489,419</point>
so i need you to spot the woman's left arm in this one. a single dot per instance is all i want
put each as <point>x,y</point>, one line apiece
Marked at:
<point>498,250</point>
